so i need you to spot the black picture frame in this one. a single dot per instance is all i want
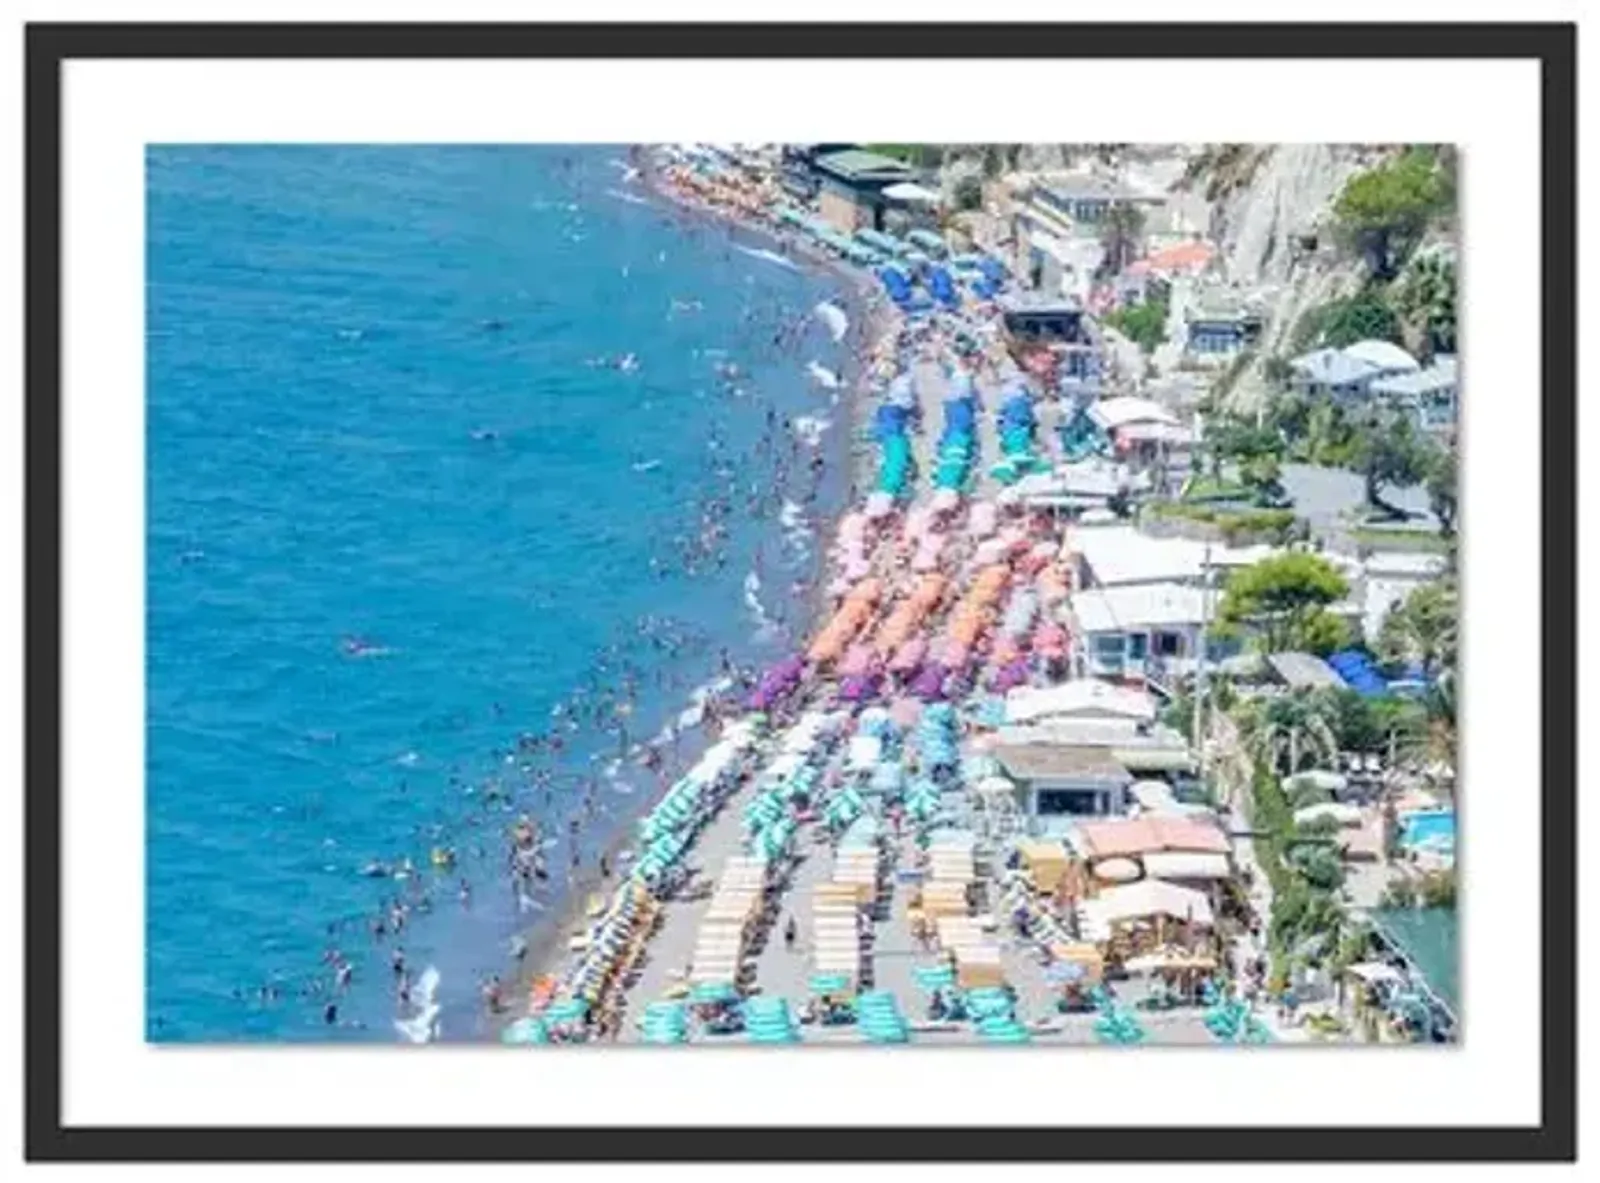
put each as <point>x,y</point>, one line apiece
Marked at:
<point>50,46</point>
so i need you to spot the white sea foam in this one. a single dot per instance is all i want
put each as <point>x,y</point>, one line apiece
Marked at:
<point>769,256</point>
<point>834,317</point>
<point>810,428</point>
<point>423,1027</point>
<point>824,377</point>
<point>630,198</point>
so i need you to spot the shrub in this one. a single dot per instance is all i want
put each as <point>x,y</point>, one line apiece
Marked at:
<point>1145,324</point>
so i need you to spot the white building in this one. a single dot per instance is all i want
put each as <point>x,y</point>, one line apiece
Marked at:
<point>1114,556</point>
<point>1056,785</point>
<point>1080,699</point>
<point>1348,374</point>
<point>1138,630</point>
<point>1430,396</point>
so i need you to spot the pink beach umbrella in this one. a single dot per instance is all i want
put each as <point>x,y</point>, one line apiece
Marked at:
<point>928,553</point>
<point>1050,640</point>
<point>981,519</point>
<point>945,500</point>
<point>858,662</point>
<point>909,656</point>
<point>917,522</point>
<point>989,552</point>
<point>905,711</point>
<point>879,505</point>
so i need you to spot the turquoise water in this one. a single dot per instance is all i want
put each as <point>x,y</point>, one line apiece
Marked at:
<point>403,495</point>
<point>1435,828</point>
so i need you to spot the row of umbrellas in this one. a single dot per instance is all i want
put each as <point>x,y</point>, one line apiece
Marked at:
<point>1230,1021</point>
<point>666,1022</point>
<point>769,1020</point>
<point>937,736</point>
<point>878,1014</point>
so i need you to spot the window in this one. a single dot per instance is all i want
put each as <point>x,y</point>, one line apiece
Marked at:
<point>1168,644</point>
<point>1068,802</point>
<point>1138,646</point>
<point>1108,648</point>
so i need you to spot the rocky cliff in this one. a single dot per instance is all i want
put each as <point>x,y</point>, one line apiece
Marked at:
<point>1269,211</point>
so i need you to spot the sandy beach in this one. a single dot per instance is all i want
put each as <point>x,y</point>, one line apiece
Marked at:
<point>838,869</point>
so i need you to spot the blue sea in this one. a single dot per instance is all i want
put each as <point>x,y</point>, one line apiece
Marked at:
<point>431,433</point>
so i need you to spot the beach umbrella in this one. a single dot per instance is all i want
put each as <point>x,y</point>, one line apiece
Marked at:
<point>524,1031</point>
<point>929,684</point>
<point>859,661</point>
<point>1012,674</point>
<point>1050,640</point>
<point>826,983</point>
<point>858,689</point>
<point>707,993</point>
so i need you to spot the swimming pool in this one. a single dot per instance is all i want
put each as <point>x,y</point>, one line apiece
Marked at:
<point>1434,828</point>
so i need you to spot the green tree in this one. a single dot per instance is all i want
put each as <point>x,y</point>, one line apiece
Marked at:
<point>1263,475</point>
<point>1383,211</point>
<point>968,192</point>
<point>1145,324</point>
<point>1388,452</point>
<point>1279,597</point>
<point>1293,730</point>
<point>1362,317</point>
<point>1424,629</point>
<point>1439,477</point>
<point>1319,865</point>
<point>1425,298</point>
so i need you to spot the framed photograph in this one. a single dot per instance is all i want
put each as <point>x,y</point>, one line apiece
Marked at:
<point>880,583</point>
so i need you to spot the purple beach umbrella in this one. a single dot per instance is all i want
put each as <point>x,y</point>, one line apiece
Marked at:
<point>929,684</point>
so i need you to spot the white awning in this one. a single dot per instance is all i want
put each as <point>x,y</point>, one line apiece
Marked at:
<point>911,194</point>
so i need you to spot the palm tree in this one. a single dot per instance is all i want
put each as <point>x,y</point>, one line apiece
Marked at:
<point>1291,728</point>
<point>1424,629</point>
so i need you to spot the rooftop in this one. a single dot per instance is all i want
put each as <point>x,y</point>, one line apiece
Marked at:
<point>1304,670</point>
<point>1089,187</point>
<point>1385,355</point>
<point>1441,375</point>
<point>857,164</point>
<point>911,193</point>
<point>1223,306</point>
<point>1138,606</point>
<point>1082,697</point>
<point>1331,367</point>
<point>1187,256</point>
<point>1124,554</point>
<point>1039,303</point>
<point>1122,735</point>
<point>1148,897</point>
<point>1040,761</point>
<point>1113,837</point>
<point>1112,413</point>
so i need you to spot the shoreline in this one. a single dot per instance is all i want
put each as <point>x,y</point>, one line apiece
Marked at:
<point>545,941</point>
